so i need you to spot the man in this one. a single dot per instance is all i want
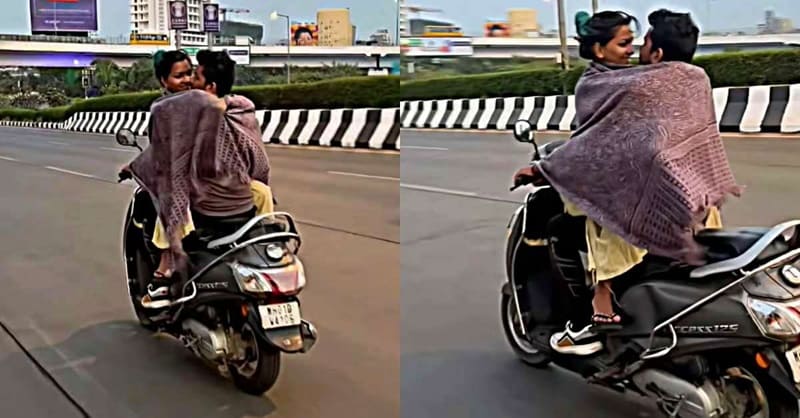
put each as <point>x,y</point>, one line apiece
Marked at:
<point>206,156</point>
<point>672,37</point>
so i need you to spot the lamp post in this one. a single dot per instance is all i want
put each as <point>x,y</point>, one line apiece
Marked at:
<point>562,34</point>
<point>274,16</point>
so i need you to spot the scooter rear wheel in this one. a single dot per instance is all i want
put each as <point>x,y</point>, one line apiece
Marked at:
<point>260,371</point>
<point>524,350</point>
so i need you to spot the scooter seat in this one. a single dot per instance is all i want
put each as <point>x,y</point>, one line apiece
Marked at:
<point>724,244</point>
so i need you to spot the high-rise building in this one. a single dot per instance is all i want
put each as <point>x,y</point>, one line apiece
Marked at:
<point>403,18</point>
<point>523,23</point>
<point>335,28</point>
<point>230,29</point>
<point>152,17</point>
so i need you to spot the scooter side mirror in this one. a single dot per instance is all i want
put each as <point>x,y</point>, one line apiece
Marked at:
<point>523,131</point>
<point>126,137</point>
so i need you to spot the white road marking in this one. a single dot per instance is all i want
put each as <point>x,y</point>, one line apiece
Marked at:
<point>74,173</point>
<point>437,190</point>
<point>8,158</point>
<point>57,143</point>
<point>341,173</point>
<point>119,149</point>
<point>423,148</point>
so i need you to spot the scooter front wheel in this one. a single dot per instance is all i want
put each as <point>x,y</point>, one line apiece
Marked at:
<point>523,348</point>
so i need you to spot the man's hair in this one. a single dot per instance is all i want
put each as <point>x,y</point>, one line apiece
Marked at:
<point>218,68</point>
<point>674,33</point>
<point>164,60</point>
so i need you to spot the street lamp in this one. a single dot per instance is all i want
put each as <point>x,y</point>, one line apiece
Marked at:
<point>274,16</point>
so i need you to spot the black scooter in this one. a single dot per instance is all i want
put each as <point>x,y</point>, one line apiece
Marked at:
<point>239,308</point>
<point>719,340</point>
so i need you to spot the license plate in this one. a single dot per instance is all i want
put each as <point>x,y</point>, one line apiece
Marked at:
<point>280,315</point>
<point>793,357</point>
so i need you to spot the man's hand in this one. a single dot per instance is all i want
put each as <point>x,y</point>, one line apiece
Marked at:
<point>528,175</point>
<point>124,173</point>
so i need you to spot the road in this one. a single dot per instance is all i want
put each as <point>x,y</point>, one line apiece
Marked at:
<point>65,302</point>
<point>455,206</point>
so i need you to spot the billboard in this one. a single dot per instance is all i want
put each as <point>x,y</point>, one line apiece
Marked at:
<point>496,30</point>
<point>239,54</point>
<point>435,47</point>
<point>305,34</point>
<point>178,15</point>
<point>63,16</point>
<point>211,17</point>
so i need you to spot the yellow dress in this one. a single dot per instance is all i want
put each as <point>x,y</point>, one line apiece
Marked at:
<point>262,198</point>
<point>609,255</point>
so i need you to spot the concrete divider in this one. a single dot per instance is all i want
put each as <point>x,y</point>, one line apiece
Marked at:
<point>348,128</point>
<point>773,109</point>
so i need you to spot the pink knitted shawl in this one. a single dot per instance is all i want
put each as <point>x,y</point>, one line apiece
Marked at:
<point>647,160</point>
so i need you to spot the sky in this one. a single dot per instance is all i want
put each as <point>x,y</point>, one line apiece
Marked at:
<point>114,15</point>
<point>713,15</point>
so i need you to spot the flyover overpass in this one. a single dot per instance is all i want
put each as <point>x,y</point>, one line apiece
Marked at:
<point>62,54</point>
<point>488,48</point>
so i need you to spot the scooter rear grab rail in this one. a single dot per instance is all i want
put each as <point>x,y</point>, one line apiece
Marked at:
<point>651,353</point>
<point>238,247</point>
<point>231,239</point>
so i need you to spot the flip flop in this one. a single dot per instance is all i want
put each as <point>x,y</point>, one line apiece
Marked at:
<point>165,275</point>
<point>603,322</point>
<point>605,319</point>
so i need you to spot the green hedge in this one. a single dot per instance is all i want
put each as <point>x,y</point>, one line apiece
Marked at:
<point>351,92</point>
<point>724,70</point>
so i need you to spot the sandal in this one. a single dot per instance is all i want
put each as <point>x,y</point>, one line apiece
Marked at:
<point>163,274</point>
<point>605,319</point>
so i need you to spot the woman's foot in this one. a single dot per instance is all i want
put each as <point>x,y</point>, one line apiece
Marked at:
<point>164,270</point>
<point>603,308</point>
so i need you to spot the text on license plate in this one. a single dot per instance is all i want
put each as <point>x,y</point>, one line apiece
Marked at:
<point>280,315</point>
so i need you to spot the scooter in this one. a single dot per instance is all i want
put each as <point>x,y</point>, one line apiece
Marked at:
<point>239,308</point>
<point>718,340</point>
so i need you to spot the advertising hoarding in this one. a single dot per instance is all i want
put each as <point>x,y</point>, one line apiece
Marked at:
<point>178,15</point>
<point>305,34</point>
<point>211,17</point>
<point>63,16</point>
<point>436,47</point>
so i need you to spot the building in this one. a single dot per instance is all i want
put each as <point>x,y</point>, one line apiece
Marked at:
<point>773,24</point>
<point>335,28</point>
<point>403,19</point>
<point>381,37</point>
<point>523,23</point>
<point>416,26</point>
<point>230,29</point>
<point>152,17</point>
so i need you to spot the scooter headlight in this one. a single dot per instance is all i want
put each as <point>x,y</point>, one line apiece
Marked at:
<point>775,319</point>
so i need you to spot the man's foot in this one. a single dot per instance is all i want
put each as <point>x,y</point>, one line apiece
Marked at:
<point>157,297</point>
<point>583,342</point>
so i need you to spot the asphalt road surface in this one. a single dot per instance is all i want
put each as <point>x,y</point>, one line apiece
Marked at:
<point>63,294</point>
<point>455,206</point>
